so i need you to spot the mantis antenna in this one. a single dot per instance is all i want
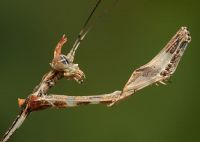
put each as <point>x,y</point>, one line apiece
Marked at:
<point>82,33</point>
<point>85,29</point>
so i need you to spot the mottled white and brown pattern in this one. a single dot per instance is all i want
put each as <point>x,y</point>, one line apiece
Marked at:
<point>160,68</point>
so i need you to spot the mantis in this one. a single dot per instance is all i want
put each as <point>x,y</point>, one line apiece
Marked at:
<point>159,69</point>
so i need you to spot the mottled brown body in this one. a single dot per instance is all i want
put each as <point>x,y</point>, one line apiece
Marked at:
<point>160,68</point>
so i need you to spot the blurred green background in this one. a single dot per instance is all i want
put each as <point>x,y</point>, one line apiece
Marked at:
<point>127,37</point>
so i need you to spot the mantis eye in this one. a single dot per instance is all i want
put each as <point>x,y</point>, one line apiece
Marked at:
<point>64,60</point>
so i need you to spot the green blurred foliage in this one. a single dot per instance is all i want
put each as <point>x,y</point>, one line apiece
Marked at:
<point>128,36</point>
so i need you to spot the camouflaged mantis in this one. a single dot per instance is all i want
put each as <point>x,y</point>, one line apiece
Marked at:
<point>160,68</point>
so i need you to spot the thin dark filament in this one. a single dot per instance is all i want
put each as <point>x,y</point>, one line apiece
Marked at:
<point>84,30</point>
<point>87,27</point>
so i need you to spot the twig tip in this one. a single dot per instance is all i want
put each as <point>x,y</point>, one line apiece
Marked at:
<point>21,102</point>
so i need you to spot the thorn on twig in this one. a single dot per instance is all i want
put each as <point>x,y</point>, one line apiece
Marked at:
<point>21,102</point>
